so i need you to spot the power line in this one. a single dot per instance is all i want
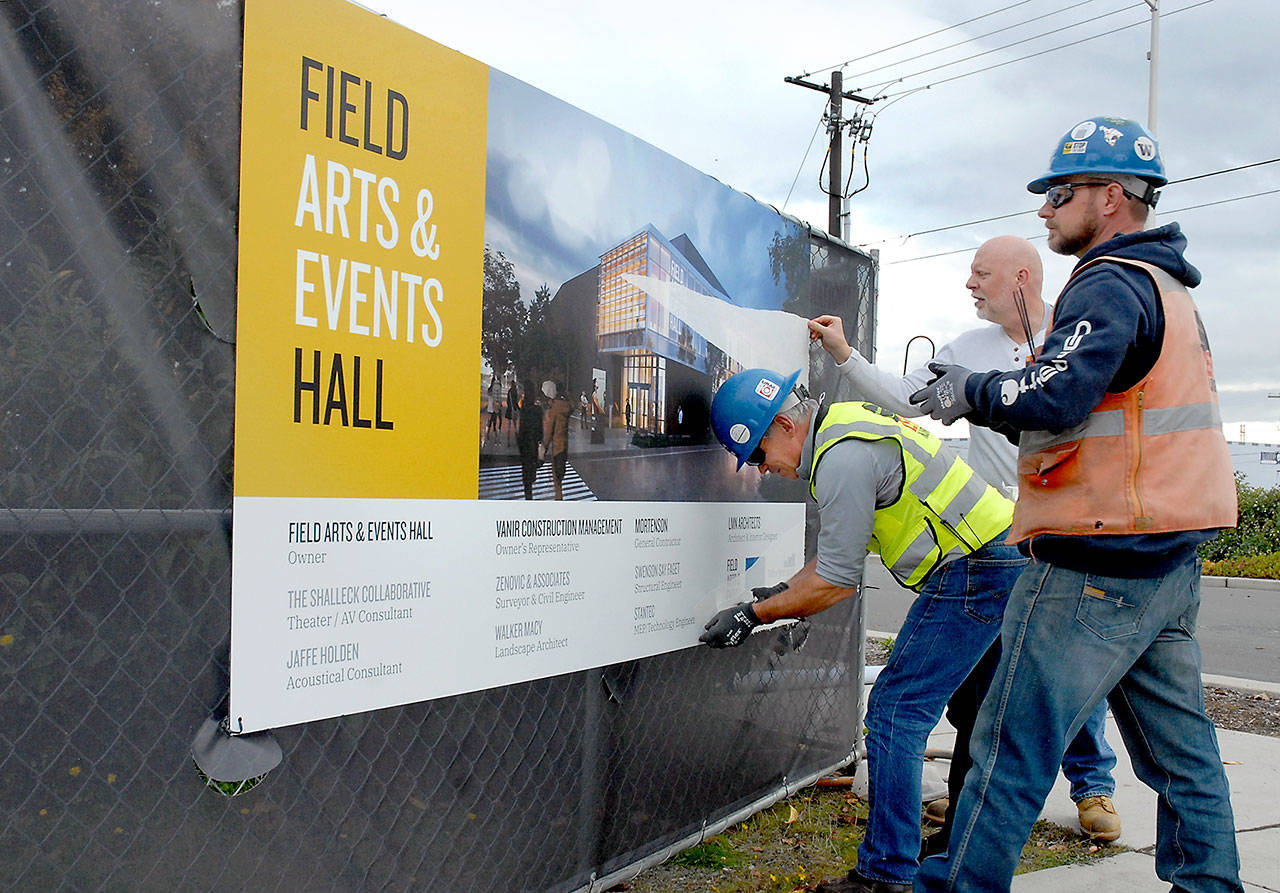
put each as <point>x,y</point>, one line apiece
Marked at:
<point>1228,170</point>
<point>899,97</point>
<point>978,37</point>
<point>1225,201</point>
<point>915,39</point>
<point>1043,52</point>
<point>796,179</point>
<point>902,94</point>
<point>942,229</point>
<point>1007,46</point>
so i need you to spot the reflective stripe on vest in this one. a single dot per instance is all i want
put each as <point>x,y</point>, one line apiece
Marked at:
<point>1110,423</point>
<point>945,510</point>
<point>1151,459</point>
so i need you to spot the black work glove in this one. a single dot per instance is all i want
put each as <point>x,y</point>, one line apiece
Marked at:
<point>730,627</point>
<point>944,398</point>
<point>760,593</point>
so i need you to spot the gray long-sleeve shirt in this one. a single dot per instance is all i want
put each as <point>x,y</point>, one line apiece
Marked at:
<point>854,478</point>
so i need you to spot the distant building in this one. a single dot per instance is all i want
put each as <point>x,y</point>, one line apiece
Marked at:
<point>1257,462</point>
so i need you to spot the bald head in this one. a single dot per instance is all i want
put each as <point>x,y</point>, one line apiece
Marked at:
<point>1001,268</point>
<point>1015,254</point>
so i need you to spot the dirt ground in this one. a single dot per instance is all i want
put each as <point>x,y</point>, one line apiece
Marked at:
<point>1242,711</point>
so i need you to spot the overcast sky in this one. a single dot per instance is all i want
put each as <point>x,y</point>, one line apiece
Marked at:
<point>704,82</point>
<point>562,187</point>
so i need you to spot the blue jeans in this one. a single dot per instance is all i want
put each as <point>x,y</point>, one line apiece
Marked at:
<point>1069,639</point>
<point>1089,759</point>
<point>952,622</point>
<point>1087,763</point>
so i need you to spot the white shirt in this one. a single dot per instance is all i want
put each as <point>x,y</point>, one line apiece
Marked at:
<point>983,349</point>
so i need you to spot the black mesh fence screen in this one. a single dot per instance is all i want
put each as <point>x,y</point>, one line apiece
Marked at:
<point>119,151</point>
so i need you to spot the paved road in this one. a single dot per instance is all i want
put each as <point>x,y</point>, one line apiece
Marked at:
<point>1239,628</point>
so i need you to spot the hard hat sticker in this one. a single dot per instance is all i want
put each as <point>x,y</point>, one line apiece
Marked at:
<point>1074,148</point>
<point>1111,135</point>
<point>739,433</point>
<point>767,389</point>
<point>1083,130</point>
<point>1145,148</point>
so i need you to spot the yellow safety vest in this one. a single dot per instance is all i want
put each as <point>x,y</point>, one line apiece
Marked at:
<point>944,511</point>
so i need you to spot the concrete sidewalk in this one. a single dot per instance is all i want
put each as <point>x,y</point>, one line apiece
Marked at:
<point>1252,765</point>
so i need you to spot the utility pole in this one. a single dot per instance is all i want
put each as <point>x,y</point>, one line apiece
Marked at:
<point>1153,56</point>
<point>835,131</point>
<point>1153,76</point>
<point>835,193</point>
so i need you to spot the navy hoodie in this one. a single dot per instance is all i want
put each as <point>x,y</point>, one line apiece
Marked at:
<point>1107,326</point>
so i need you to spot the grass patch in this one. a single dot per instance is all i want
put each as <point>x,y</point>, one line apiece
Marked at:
<point>1050,846</point>
<point>814,836</point>
<point>798,842</point>
<point>714,854</point>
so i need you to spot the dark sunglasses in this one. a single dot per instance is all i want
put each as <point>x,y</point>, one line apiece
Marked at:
<point>1057,196</point>
<point>756,458</point>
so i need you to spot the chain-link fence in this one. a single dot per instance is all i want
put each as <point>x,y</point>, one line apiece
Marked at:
<point>119,142</point>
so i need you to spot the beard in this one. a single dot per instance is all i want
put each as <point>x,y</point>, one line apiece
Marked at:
<point>1072,245</point>
<point>1086,231</point>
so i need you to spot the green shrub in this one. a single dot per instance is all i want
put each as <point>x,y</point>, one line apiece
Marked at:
<point>1259,567</point>
<point>1258,529</point>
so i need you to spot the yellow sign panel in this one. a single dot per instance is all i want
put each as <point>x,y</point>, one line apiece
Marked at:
<point>361,257</point>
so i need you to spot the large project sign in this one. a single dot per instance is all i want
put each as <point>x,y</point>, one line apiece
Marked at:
<point>361,242</point>
<point>478,334</point>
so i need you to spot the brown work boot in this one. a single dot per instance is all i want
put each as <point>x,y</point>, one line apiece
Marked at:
<point>1098,818</point>
<point>856,883</point>
<point>936,812</point>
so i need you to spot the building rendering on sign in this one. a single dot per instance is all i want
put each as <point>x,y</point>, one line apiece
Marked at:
<point>655,363</point>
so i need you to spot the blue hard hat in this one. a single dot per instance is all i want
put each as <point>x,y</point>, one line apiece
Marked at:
<point>1101,146</point>
<point>744,406</point>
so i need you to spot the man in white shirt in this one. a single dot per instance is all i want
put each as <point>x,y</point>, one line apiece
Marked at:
<point>1002,268</point>
<point>1005,281</point>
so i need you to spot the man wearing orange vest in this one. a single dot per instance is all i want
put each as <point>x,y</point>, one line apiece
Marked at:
<point>1123,472</point>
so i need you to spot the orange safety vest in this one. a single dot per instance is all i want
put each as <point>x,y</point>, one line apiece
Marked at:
<point>1151,459</point>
